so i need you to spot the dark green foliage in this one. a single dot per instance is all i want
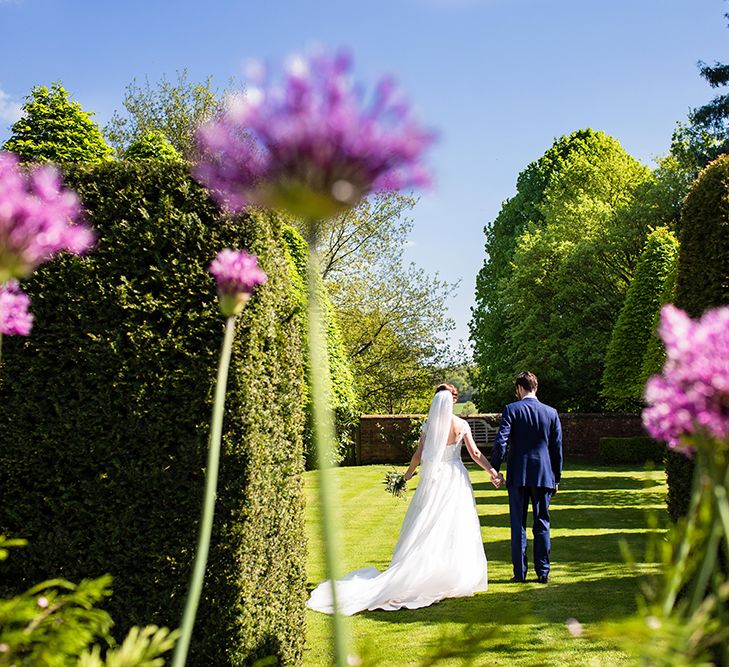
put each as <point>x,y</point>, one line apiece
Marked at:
<point>635,450</point>
<point>703,273</point>
<point>703,282</point>
<point>343,399</point>
<point>151,146</point>
<point>679,474</point>
<point>623,378</point>
<point>105,413</point>
<point>55,129</point>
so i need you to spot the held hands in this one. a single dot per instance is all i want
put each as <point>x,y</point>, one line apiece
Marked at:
<point>497,479</point>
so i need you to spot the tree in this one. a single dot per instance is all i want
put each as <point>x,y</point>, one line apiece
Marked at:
<point>173,108</point>
<point>655,353</point>
<point>374,231</point>
<point>151,146</point>
<point>394,324</point>
<point>393,316</point>
<point>702,283</point>
<point>560,256</point>
<point>705,137</point>
<point>55,129</point>
<point>623,377</point>
<point>461,377</point>
<point>703,273</point>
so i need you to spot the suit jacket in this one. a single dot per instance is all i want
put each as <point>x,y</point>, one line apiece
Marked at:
<point>534,436</point>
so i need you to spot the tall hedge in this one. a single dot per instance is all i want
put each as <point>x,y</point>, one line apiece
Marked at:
<point>703,265</point>
<point>703,277</point>
<point>655,352</point>
<point>622,379</point>
<point>342,395</point>
<point>104,415</point>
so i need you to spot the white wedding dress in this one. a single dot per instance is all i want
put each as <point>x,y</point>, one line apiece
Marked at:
<point>439,553</point>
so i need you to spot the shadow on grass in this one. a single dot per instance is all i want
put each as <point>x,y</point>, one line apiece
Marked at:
<point>573,518</point>
<point>585,549</point>
<point>526,604</point>
<point>604,484</point>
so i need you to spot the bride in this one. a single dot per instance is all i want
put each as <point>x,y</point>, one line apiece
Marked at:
<point>439,553</point>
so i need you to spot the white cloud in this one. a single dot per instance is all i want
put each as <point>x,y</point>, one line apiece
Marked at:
<point>10,110</point>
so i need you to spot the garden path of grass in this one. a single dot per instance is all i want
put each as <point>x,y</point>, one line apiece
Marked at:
<point>595,509</point>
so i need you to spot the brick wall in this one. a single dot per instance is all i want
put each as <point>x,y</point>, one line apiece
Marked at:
<point>392,438</point>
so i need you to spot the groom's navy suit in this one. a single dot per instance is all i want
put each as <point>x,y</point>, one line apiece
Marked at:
<point>534,468</point>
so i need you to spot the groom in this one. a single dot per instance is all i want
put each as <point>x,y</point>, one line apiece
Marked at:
<point>534,469</point>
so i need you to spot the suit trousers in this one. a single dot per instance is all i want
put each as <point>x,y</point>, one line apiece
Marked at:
<point>519,499</point>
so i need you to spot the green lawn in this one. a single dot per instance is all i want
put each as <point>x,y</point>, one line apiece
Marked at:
<point>594,511</point>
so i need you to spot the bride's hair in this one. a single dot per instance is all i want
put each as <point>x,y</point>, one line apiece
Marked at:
<point>447,387</point>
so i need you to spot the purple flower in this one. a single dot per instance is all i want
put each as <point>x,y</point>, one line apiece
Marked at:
<point>311,145</point>
<point>15,320</point>
<point>237,274</point>
<point>36,218</point>
<point>691,398</point>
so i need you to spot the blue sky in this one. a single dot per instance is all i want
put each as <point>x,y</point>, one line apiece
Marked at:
<point>499,79</point>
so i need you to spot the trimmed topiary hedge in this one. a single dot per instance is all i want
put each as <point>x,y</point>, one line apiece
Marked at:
<point>639,449</point>
<point>655,352</point>
<point>622,379</point>
<point>343,398</point>
<point>679,475</point>
<point>703,282</point>
<point>104,415</point>
<point>703,265</point>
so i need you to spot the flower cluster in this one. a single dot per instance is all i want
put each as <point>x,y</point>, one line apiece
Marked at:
<point>36,218</point>
<point>310,145</point>
<point>691,397</point>
<point>237,273</point>
<point>15,320</point>
<point>395,483</point>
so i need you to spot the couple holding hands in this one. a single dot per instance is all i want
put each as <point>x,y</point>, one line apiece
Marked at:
<point>439,553</point>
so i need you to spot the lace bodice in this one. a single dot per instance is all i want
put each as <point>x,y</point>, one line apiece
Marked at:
<point>453,452</point>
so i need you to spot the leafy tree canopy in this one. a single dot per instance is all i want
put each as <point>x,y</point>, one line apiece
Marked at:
<point>53,128</point>
<point>393,315</point>
<point>173,108</point>
<point>551,309</point>
<point>706,135</point>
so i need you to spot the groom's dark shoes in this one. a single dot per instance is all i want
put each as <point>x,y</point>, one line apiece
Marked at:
<point>543,580</point>
<point>514,580</point>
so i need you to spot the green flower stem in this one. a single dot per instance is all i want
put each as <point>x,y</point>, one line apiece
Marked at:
<point>677,572</point>
<point>211,483</point>
<point>707,568</point>
<point>722,502</point>
<point>324,438</point>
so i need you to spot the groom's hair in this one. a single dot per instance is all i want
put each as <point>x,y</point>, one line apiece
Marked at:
<point>527,381</point>
<point>447,387</point>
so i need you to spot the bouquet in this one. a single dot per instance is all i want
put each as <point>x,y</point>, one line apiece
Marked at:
<point>395,483</point>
